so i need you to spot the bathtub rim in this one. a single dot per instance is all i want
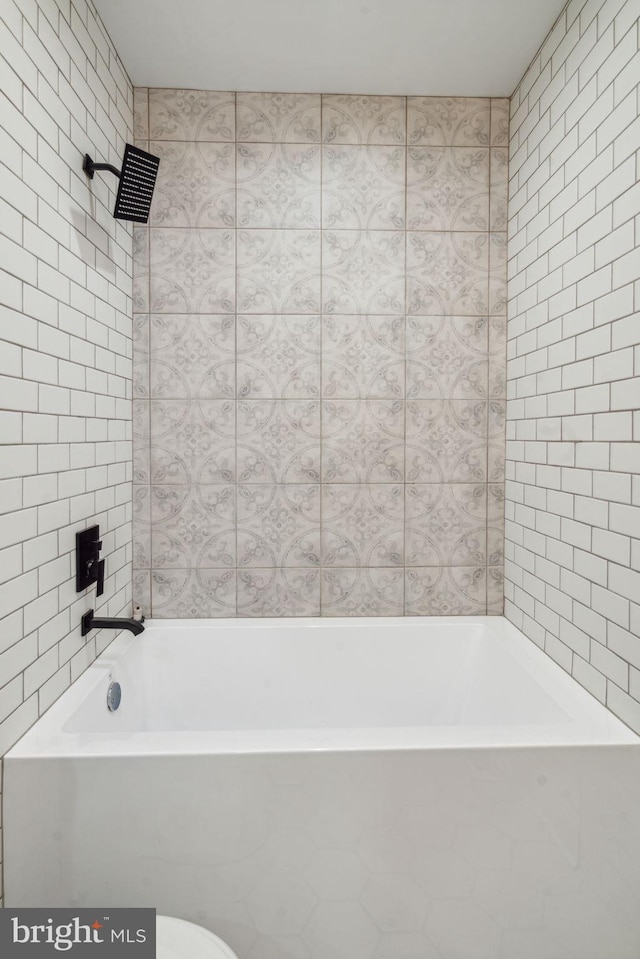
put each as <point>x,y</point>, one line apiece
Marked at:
<point>591,722</point>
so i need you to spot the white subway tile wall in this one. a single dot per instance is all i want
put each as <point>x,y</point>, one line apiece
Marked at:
<point>572,551</point>
<point>320,313</point>
<point>65,347</point>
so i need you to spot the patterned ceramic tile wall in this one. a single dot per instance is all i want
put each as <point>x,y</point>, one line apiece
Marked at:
<point>320,319</point>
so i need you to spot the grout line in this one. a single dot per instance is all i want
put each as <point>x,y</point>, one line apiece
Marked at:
<point>148,131</point>
<point>321,401</point>
<point>235,401</point>
<point>486,488</point>
<point>406,307</point>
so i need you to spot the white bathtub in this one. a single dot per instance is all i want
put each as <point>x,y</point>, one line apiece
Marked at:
<point>353,789</point>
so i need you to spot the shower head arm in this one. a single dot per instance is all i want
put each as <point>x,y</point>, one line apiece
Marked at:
<point>90,167</point>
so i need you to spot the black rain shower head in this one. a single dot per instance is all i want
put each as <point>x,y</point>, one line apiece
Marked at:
<point>137,180</point>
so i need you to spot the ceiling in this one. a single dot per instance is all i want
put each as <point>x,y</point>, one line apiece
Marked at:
<point>420,47</point>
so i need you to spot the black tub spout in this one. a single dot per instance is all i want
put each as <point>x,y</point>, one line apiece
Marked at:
<point>89,622</point>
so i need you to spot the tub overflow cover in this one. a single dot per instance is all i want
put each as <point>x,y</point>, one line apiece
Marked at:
<point>114,695</point>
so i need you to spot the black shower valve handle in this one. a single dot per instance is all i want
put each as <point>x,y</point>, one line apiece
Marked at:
<point>95,546</point>
<point>100,578</point>
<point>93,558</point>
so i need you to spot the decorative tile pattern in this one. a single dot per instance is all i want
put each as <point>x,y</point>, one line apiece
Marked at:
<point>142,588</point>
<point>278,592</point>
<point>141,528</point>
<point>363,271</point>
<point>354,119</point>
<point>141,113</point>
<point>496,451</point>
<point>194,527</point>
<point>278,357</point>
<point>278,271</point>
<point>446,441</point>
<point>278,185</point>
<point>447,273</point>
<point>278,441</point>
<point>448,188</point>
<point>362,592</point>
<point>140,356</point>
<point>192,441</point>
<point>363,187</point>
<point>497,415</point>
<point>278,526</point>
<point>188,115</point>
<point>499,189</point>
<point>446,525</point>
<point>447,357</point>
<point>319,353</point>
<point>193,593</point>
<point>363,525</point>
<point>446,591</point>
<point>192,356</point>
<point>141,442</point>
<point>192,271</point>
<point>195,186</point>
<point>497,357</point>
<point>363,441</point>
<point>448,121</point>
<point>363,356</point>
<point>498,274</point>
<point>496,461</point>
<point>500,122</point>
<point>495,528</point>
<point>278,117</point>
<point>141,271</point>
<point>495,590</point>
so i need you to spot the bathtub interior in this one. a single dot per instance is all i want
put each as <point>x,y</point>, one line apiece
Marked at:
<point>287,677</point>
<point>283,685</point>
